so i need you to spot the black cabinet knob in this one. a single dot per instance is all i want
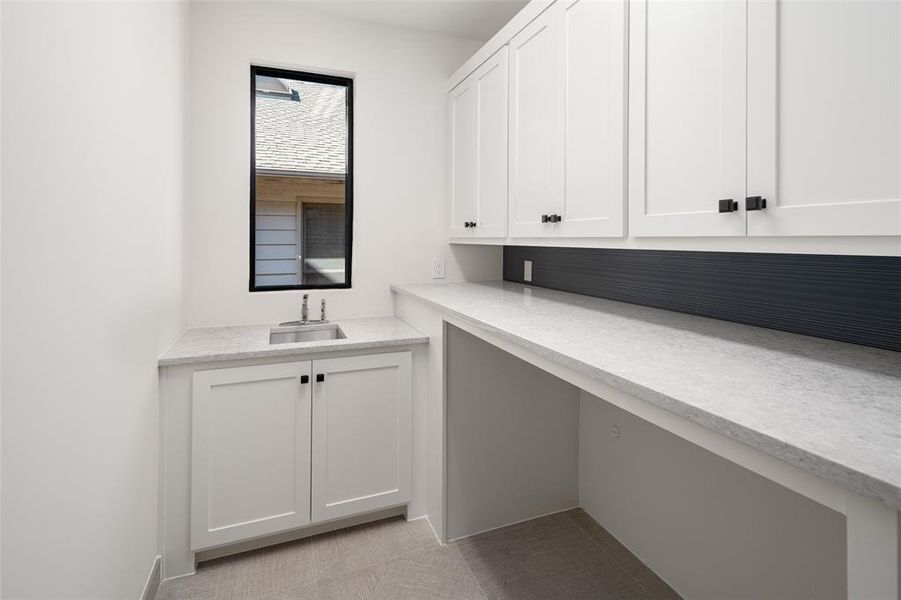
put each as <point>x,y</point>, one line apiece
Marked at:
<point>728,205</point>
<point>320,377</point>
<point>473,224</point>
<point>304,379</point>
<point>556,218</point>
<point>545,218</point>
<point>755,203</point>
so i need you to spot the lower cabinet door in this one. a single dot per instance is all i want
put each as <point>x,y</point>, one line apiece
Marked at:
<point>361,434</point>
<point>251,452</point>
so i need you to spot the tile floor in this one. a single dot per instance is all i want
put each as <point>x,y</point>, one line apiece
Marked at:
<point>566,555</point>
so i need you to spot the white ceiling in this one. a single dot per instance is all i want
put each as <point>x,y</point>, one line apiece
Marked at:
<point>473,19</point>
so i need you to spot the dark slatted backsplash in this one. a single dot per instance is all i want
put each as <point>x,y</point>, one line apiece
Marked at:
<point>854,299</point>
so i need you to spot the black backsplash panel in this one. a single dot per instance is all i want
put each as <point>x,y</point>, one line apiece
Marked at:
<point>853,299</point>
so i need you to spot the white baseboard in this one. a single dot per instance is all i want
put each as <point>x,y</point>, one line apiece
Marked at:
<point>153,581</point>
<point>297,534</point>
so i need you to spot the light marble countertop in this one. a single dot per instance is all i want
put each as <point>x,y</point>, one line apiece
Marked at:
<point>829,408</point>
<point>214,344</point>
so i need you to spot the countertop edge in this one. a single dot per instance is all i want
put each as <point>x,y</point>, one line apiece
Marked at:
<point>826,468</point>
<point>287,352</point>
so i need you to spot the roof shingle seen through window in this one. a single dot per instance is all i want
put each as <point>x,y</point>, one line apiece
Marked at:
<point>307,136</point>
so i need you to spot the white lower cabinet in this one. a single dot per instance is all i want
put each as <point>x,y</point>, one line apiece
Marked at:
<point>361,434</point>
<point>268,438</point>
<point>250,472</point>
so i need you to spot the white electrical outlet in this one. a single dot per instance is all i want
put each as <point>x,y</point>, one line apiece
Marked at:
<point>438,268</point>
<point>527,270</point>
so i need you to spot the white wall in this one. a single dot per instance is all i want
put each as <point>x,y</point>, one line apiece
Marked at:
<point>512,438</point>
<point>710,528</point>
<point>400,152</point>
<point>92,287</point>
<point>1,304</point>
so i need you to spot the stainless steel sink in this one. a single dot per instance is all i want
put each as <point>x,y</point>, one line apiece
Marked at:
<point>305,333</point>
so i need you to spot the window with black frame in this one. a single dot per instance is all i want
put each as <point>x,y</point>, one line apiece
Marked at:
<point>301,180</point>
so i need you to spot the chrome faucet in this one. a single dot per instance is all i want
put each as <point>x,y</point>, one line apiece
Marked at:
<point>305,312</point>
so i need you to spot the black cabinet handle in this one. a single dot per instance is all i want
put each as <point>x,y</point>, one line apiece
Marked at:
<point>755,203</point>
<point>556,218</point>
<point>545,218</point>
<point>473,224</point>
<point>320,377</point>
<point>728,205</point>
<point>304,379</point>
<point>466,224</point>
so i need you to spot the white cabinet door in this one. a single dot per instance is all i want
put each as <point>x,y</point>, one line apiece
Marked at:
<point>361,434</point>
<point>464,120</point>
<point>491,80</point>
<point>535,132</point>
<point>250,471</point>
<point>591,35</point>
<point>824,117</point>
<point>686,117</point>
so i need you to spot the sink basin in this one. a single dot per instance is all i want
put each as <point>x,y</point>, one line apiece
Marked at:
<point>305,333</point>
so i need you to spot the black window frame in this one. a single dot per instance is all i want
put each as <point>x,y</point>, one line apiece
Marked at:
<point>348,83</point>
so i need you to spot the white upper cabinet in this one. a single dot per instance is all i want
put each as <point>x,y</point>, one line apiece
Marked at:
<point>479,152</point>
<point>567,122</point>
<point>464,106</point>
<point>492,78</point>
<point>741,118</point>
<point>592,81</point>
<point>535,144</point>
<point>824,117</point>
<point>686,117</point>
